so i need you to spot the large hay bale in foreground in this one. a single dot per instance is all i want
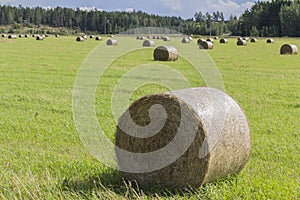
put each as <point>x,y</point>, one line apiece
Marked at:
<point>253,40</point>
<point>270,40</point>
<point>79,39</point>
<point>148,43</point>
<point>12,37</point>
<point>241,43</point>
<point>185,40</point>
<point>206,45</point>
<point>289,49</point>
<point>165,53</point>
<point>205,137</point>
<point>223,41</point>
<point>111,42</point>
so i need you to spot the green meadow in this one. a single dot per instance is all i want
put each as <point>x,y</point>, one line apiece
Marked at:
<point>42,156</point>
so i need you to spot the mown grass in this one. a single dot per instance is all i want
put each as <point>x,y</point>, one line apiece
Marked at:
<point>42,156</point>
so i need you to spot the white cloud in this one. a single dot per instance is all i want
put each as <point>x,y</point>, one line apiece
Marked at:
<point>172,5</point>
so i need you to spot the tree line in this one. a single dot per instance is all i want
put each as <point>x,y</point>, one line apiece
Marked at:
<point>275,18</point>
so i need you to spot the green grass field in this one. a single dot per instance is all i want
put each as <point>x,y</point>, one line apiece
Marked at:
<point>42,156</point>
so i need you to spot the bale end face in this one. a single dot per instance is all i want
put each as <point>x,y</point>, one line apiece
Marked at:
<point>288,49</point>
<point>165,53</point>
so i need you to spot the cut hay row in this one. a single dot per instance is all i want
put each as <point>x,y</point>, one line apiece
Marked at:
<point>288,49</point>
<point>203,161</point>
<point>165,53</point>
<point>148,43</point>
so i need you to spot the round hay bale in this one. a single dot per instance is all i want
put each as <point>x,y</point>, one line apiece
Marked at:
<point>148,43</point>
<point>3,35</point>
<point>165,53</point>
<point>223,41</point>
<point>206,45</point>
<point>46,35</point>
<point>239,38</point>
<point>288,49</point>
<point>27,36</point>
<point>199,41</point>
<point>12,37</point>
<point>150,37</point>
<point>111,42</point>
<point>84,37</point>
<point>253,40</point>
<point>79,39</point>
<point>185,40</point>
<point>56,35</point>
<point>241,43</point>
<point>98,38</point>
<point>270,40</point>
<point>165,38</point>
<point>92,36</point>
<point>34,35</point>
<point>21,36</point>
<point>246,38</point>
<point>190,38</point>
<point>216,37</point>
<point>210,40</point>
<point>40,37</point>
<point>201,146</point>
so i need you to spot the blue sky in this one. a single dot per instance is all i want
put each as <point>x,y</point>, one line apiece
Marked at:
<point>183,8</point>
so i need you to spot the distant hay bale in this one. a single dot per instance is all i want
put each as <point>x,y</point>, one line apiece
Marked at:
<point>12,37</point>
<point>216,37</point>
<point>79,39</point>
<point>190,38</point>
<point>34,35</point>
<point>185,40</point>
<point>40,37</point>
<point>140,37</point>
<point>239,38</point>
<point>210,40</point>
<point>253,40</point>
<point>206,45</point>
<point>84,37</point>
<point>3,35</point>
<point>148,43</point>
<point>245,38</point>
<point>21,36</point>
<point>288,49</point>
<point>111,42</point>
<point>165,38</point>
<point>193,147</point>
<point>150,37</point>
<point>223,41</point>
<point>27,36</point>
<point>92,36</point>
<point>98,38</point>
<point>46,35</point>
<point>270,40</point>
<point>200,40</point>
<point>56,35</point>
<point>165,53</point>
<point>241,43</point>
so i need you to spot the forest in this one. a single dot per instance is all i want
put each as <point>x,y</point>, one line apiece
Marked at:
<point>264,18</point>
